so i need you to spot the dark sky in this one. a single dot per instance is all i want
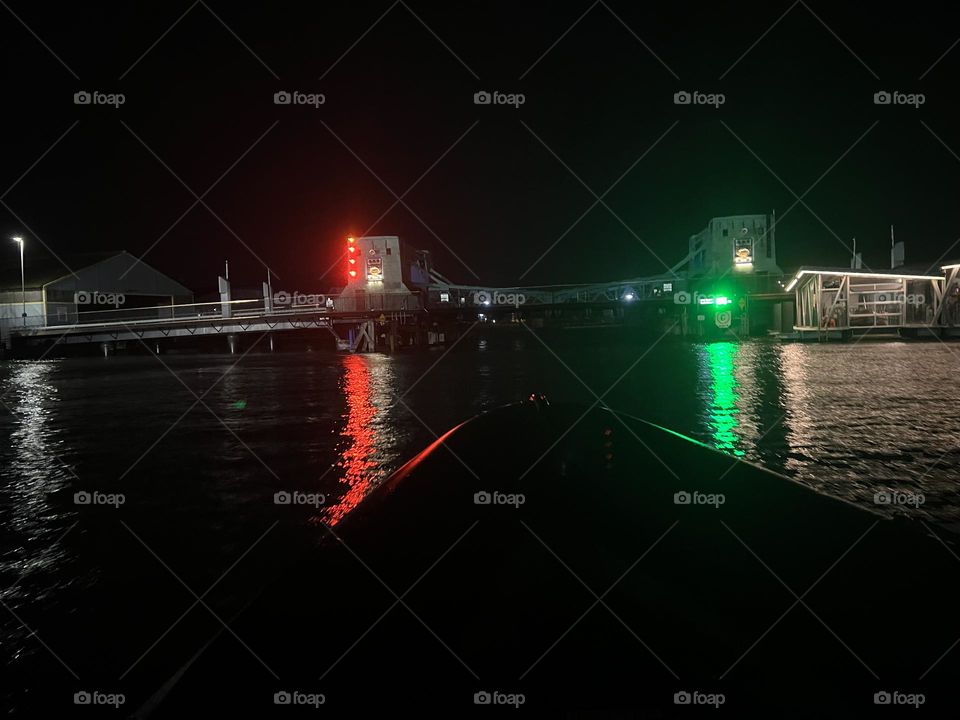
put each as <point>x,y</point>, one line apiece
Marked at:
<point>403,95</point>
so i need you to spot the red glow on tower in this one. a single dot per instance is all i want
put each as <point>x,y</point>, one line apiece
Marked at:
<point>351,256</point>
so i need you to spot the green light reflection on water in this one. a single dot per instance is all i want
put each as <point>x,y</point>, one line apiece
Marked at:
<point>723,414</point>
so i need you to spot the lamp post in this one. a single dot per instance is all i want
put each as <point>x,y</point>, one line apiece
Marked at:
<point>23,281</point>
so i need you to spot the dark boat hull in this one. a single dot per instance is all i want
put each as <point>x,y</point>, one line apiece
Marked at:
<point>597,591</point>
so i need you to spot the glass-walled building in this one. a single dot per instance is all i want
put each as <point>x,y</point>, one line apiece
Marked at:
<point>839,299</point>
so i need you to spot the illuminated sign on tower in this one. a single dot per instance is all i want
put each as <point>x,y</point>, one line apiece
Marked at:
<point>375,269</point>
<point>743,249</point>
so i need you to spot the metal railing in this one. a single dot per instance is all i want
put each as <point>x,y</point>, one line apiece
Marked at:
<point>205,312</point>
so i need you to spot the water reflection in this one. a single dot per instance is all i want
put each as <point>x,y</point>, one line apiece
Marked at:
<point>718,372</point>
<point>367,443</point>
<point>35,471</point>
<point>872,419</point>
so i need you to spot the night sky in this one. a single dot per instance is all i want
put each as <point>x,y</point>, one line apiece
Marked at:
<point>200,96</point>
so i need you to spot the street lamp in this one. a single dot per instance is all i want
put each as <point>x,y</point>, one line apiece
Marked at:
<point>23,281</point>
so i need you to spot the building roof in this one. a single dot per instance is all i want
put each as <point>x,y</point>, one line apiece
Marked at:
<point>899,272</point>
<point>42,269</point>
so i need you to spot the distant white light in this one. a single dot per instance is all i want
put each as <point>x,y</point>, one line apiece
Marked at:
<point>486,302</point>
<point>628,297</point>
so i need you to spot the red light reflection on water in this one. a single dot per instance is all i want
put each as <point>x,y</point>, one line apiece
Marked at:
<point>359,469</point>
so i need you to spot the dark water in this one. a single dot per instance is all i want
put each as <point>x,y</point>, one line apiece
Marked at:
<point>198,445</point>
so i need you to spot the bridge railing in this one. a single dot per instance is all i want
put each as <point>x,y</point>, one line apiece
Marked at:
<point>243,309</point>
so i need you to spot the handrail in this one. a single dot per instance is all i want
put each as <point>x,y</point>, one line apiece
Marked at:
<point>184,319</point>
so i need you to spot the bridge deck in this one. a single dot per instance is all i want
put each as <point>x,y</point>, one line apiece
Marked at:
<point>204,324</point>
